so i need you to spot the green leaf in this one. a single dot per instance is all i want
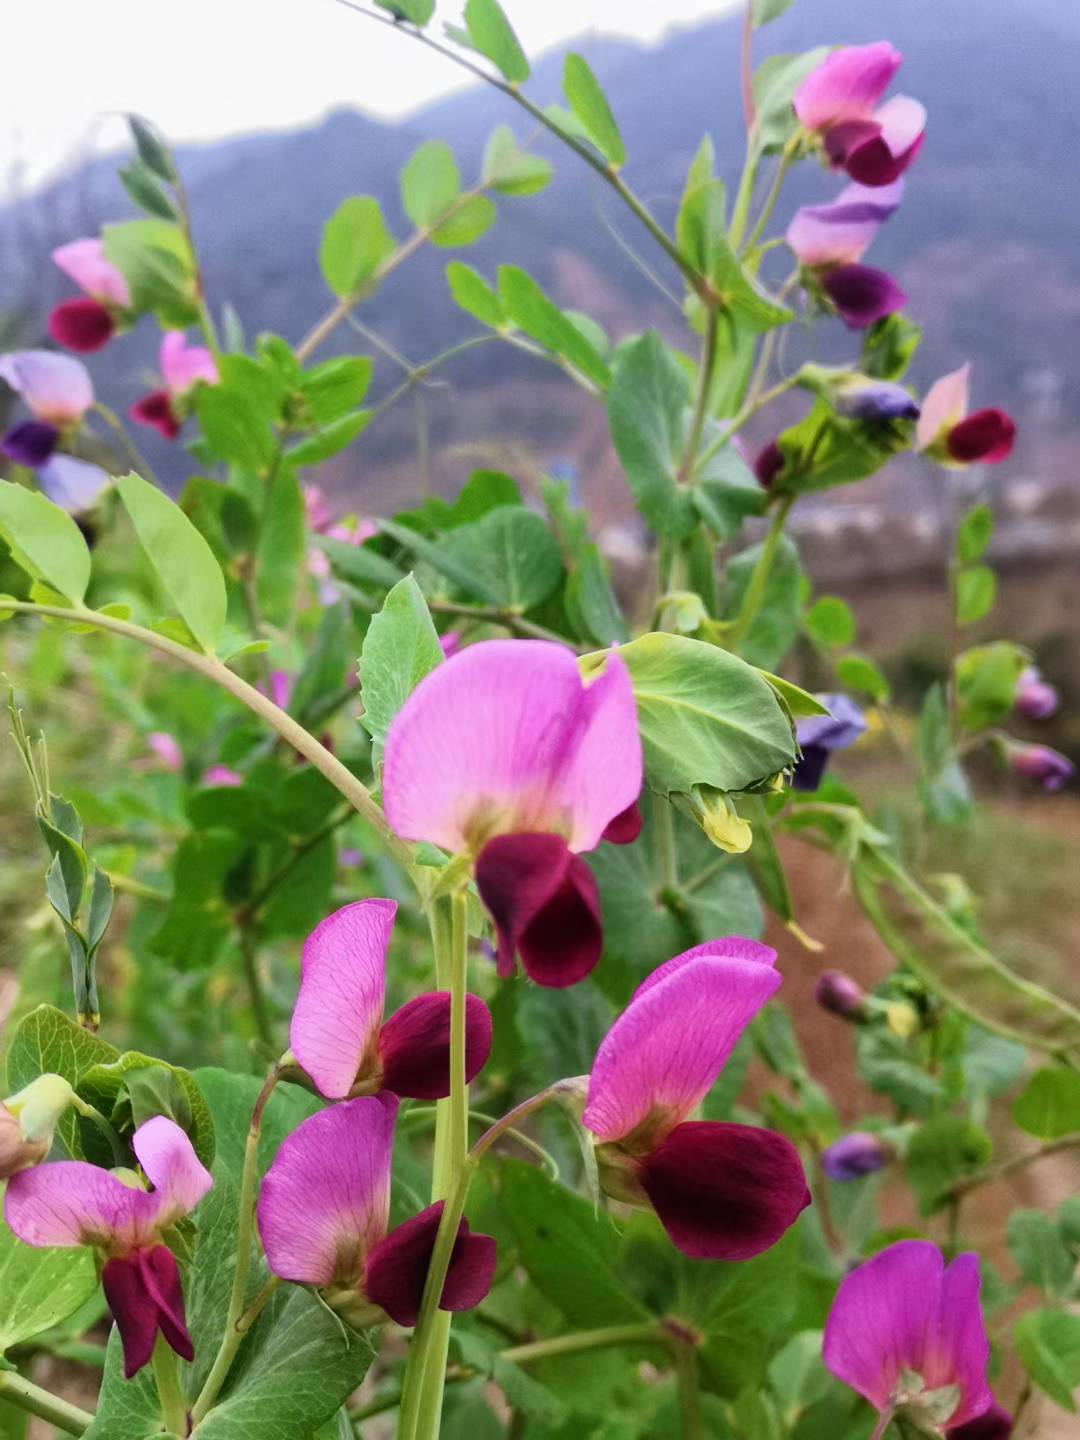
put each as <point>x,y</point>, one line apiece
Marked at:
<point>589,103</point>
<point>1039,1252</point>
<point>401,646</point>
<point>855,672</point>
<point>943,787</point>
<point>419,12</point>
<point>824,450</point>
<point>39,1287</point>
<point>1049,1105</point>
<point>830,623</point>
<point>236,430</point>
<point>1048,1344</point>
<point>182,560</point>
<point>147,194</point>
<point>647,406</point>
<point>103,1085</point>
<point>973,533</point>
<point>484,491</point>
<point>152,150</point>
<point>335,387</point>
<point>762,11</point>
<point>157,262</point>
<point>888,347</point>
<point>355,242</point>
<point>492,34</point>
<point>706,717</point>
<point>775,627</point>
<point>466,224</point>
<point>47,1042</point>
<point>512,555</point>
<point>279,551</point>
<point>44,541</point>
<point>592,606</point>
<point>531,310</point>
<point>986,679</point>
<point>775,82</point>
<point>474,295</point>
<point>799,702</point>
<point>946,1149</point>
<point>509,169</point>
<point>330,440</point>
<point>439,556</point>
<point>975,589</point>
<point>359,563</point>
<point>430,183</point>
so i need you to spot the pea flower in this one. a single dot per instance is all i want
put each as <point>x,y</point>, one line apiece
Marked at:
<point>829,240</point>
<point>993,1424</point>
<point>721,1191</point>
<point>1035,699</point>
<point>859,398</point>
<point>90,322</point>
<point>507,756</point>
<point>820,735</point>
<point>182,367</point>
<point>28,1120</point>
<point>836,104</point>
<point>906,1332</point>
<point>1047,767</point>
<point>323,1211</point>
<point>841,995</point>
<point>855,1155</point>
<point>167,750</point>
<point>222,776</point>
<point>337,1034</point>
<point>70,1203</point>
<point>952,437</point>
<point>57,391</point>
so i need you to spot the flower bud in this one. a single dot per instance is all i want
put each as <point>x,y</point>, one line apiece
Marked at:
<point>856,1155</point>
<point>1035,699</point>
<point>841,995</point>
<point>28,1120</point>
<point>769,463</point>
<point>902,1019</point>
<point>1048,768</point>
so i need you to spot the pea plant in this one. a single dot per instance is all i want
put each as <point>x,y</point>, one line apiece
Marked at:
<point>394,1048</point>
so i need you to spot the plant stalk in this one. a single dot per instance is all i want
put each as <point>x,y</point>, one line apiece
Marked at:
<point>174,1414</point>
<point>25,1395</point>
<point>755,590</point>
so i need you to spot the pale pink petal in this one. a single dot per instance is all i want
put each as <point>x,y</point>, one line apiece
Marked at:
<point>84,262</point>
<point>342,986</point>
<point>55,388</point>
<point>666,1049</point>
<point>71,1203</point>
<point>945,403</point>
<point>902,122</point>
<point>602,777</point>
<point>326,1198</point>
<point>166,749</point>
<point>183,365</point>
<point>169,1162</point>
<point>847,85</point>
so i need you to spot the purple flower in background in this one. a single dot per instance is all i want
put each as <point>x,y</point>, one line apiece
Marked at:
<point>859,398</point>
<point>829,240</point>
<point>820,735</point>
<point>836,102</point>
<point>841,995</point>
<point>57,391</point>
<point>1035,699</point>
<point>906,1331</point>
<point>1046,767</point>
<point>855,1155</point>
<point>862,295</point>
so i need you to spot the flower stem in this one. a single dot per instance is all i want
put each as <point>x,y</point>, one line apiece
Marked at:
<point>1014,1164</point>
<point>701,398</point>
<point>885,1419</point>
<point>25,1395</point>
<point>755,590</point>
<point>609,1336</point>
<point>686,1373</point>
<point>664,827</point>
<point>174,1414</point>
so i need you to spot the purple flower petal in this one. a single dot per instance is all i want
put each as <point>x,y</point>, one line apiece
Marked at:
<point>1048,768</point>
<point>855,1155</point>
<point>840,233</point>
<point>842,726</point>
<point>987,435</point>
<point>414,1045</point>
<point>545,905</point>
<point>846,85</point>
<point>72,484</point>
<point>862,295</point>
<point>144,1294</point>
<point>993,1424</point>
<point>724,1192</point>
<point>54,388</point>
<point>30,443</point>
<point>945,403</point>
<point>397,1267</point>
<point>81,325</point>
<point>625,828</point>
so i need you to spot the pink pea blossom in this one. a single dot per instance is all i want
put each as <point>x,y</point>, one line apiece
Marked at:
<point>338,1035</point>
<point>951,436</point>
<point>830,240</point>
<point>323,1212</point>
<point>166,749</point>
<point>838,102</point>
<point>508,756</point>
<point>89,322</point>
<point>57,391</point>
<point>221,775</point>
<point>1046,767</point>
<point>182,367</point>
<point>1035,698</point>
<point>906,1331</point>
<point>721,1191</point>
<point>70,1203</point>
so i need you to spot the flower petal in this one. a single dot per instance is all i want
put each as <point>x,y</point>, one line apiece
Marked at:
<point>414,1045</point>
<point>842,726</point>
<point>54,388</point>
<point>397,1267</point>
<point>72,484</point>
<point>862,295</point>
<point>545,905</point>
<point>183,365</point>
<point>625,828</point>
<point>945,403</point>
<point>840,233</point>
<point>71,1203</point>
<point>987,435</point>
<point>144,1294</point>
<point>30,443</point>
<point>84,262</point>
<point>957,1350</point>
<point>603,772</point>
<point>724,1192</point>
<point>993,1424</point>
<point>155,410</point>
<point>727,947</point>
<point>340,1004</point>
<point>846,85</point>
<point>903,125</point>
<point>81,325</point>
<point>169,1162</point>
<point>666,1049</point>
<point>325,1199</point>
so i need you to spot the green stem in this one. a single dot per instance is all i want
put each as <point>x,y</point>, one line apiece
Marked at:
<point>174,1414</point>
<point>686,1373</point>
<point>749,409</point>
<point>234,1329</point>
<point>1013,1165</point>
<point>740,214</point>
<point>134,455</point>
<point>606,1338</point>
<point>25,1395</point>
<point>771,198</point>
<point>249,953</point>
<point>701,398</point>
<point>755,591</point>
<point>494,615</point>
<point>885,1419</point>
<point>664,828</point>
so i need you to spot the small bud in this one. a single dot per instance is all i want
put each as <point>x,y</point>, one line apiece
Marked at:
<point>716,815</point>
<point>856,1155</point>
<point>1048,768</point>
<point>28,1120</point>
<point>769,463</point>
<point>902,1019</point>
<point>1035,699</point>
<point>841,995</point>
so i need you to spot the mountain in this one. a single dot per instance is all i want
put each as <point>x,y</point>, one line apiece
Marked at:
<point>985,242</point>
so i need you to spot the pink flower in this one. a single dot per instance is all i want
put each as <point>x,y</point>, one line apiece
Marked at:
<point>221,775</point>
<point>450,643</point>
<point>906,1331</point>
<point>507,756</point>
<point>721,1191</point>
<point>836,102</point>
<point>166,749</point>
<point>1035,698</point>
<point>338,1035</point>
<point>316,509</point>
<point>70,1203</point>
<point>55,388</point>
<point>84,262</point>
<point>952,437</point>
<point>182,367</point>
<point>323,1212</point>
<point>829,241</point>
<point>1046,767</point>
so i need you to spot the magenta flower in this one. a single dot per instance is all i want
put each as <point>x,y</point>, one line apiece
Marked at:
<point>952,437</point>
<point>1046,767</point>
<point>906,1332</point>
<point>1035,698</point>
<point>57,391</point>
<point>166,749</point>
<point>829,240</point>
<point>338,1035</point>
<point>182,367</point>
<point>323,1212</point>
<point>508,756</point>
<point>222,776</point>
<point>89,323</point>
<point>722,1192</point>
<point>836,103</point>
<point>70,1203</point>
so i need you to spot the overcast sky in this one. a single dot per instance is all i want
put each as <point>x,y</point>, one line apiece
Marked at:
<point>206,68</point>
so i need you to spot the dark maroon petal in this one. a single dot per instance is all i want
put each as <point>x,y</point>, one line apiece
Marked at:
<point>625,828</point>
<point>30,443</point>
<point>545,905</point>
<point>848,136</point>
<point>414,1045</point>
<point>986,435</point>
<point>81,325</point>
<point>993,1424</point>
<point>162,1277</point>
<point>143,1292</point>
<point>155,409</point>
<point>862,295</point>
<point>397,1267</point>
<point>769,463</point>
<point>724,1192</point>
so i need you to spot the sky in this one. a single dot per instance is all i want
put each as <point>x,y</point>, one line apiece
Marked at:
<point>202,69</point>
